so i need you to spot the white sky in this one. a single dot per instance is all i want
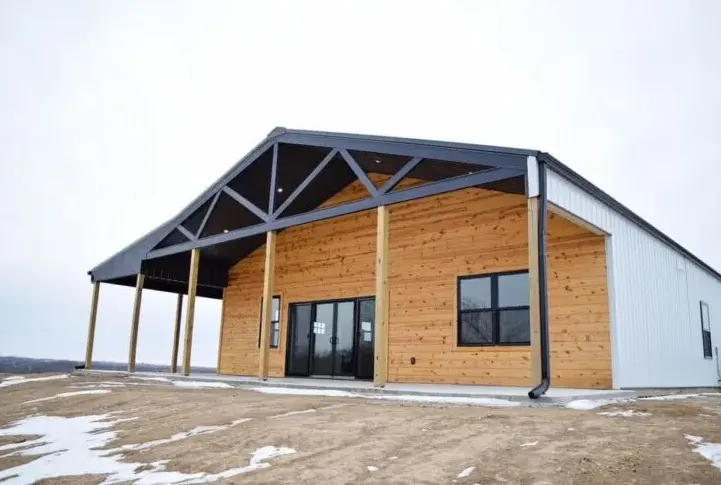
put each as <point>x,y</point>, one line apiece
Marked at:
<point>115,114</point>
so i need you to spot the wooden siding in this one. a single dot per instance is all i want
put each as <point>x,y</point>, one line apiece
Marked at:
<point>432,241</point>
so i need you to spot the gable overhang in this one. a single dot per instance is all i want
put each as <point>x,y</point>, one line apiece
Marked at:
<point>313,166</point>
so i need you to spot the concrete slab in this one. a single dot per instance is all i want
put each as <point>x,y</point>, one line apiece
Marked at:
<point>557,396</point>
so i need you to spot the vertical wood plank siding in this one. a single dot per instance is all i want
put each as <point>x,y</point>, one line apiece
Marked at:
<point>432,241</point>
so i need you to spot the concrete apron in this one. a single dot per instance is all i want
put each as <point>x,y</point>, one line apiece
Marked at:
<point>554,396</point>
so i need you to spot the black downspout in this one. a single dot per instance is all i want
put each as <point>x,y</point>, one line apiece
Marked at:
<point>542,387</point>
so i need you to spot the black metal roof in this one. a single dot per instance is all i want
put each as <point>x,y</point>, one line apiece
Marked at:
<point>166,268</point>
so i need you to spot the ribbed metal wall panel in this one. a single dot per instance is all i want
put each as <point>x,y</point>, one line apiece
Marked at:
<point>654,294</point>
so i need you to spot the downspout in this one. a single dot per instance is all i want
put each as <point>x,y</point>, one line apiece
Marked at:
<point>542,386</point>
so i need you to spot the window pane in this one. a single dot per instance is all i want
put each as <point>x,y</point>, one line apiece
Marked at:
<point>274,334</point>
<point>475,293</point>
<point>476,328</point>
<point>513,290</point>
<point>514,326</point>
<point>276,309</point>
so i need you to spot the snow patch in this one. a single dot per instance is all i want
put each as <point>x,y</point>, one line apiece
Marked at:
<point>669,397</point>
<point>372,468</point>
<point>303,392</point>
<point>14,380</point>
<point>588,404</point>
<point>198,430</point>
<point>156,379</point>
<point>530,443</point>
<point>466,472</point>
<point>626,414</point>
<point>202,384</point>
<point>710,451</point>
<point>69,394</point>
<point>470,401</point>
<point>291,413</point>
<point>71,447</point>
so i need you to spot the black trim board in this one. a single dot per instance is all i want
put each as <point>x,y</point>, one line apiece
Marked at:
<point>570,175</point>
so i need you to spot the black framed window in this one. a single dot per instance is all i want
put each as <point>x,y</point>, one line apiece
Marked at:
<point>706,330</point>
<point>493,309</point>
<point>274,322</point>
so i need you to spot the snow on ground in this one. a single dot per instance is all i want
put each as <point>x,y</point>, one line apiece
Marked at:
<point>15,380</point>
<point>69,394</point>
<point>202,384</point>
<point>710,451</point>
<point>466,472</point>
<point>530,443</point>
<point>588,404</point>
<point>156,379</point>
<point>198,430</point>
<point>292,413</point>
<point>669,397</point>
<point>303,392</point>
<point>71,447</point>
<point>470,401</point>
<point>372,468</point>
<point>626,414</point>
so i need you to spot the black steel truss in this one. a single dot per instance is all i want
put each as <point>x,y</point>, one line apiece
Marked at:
<point>272,220</point>
<point>506,163</point>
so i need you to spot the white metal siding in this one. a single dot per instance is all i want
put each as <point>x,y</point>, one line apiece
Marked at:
<point>654,294</point>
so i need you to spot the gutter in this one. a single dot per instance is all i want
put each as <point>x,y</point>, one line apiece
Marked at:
<point>545,383</point>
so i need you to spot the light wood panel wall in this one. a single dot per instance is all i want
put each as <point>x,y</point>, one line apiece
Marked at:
<point>432,241</point>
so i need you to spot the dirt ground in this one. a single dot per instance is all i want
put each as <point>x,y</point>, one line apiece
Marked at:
<point>401,442</point>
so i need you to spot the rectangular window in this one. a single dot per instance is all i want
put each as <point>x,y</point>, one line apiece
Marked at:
<point>493,309</point>
<point>274,322</point>
<point>706,330</point>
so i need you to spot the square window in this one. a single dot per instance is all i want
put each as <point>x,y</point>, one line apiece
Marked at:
<point>476,328</point>
<point>514,326</point>
<point>493,309</point>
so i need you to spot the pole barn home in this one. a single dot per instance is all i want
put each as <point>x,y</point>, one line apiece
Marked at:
<point>399,260</point>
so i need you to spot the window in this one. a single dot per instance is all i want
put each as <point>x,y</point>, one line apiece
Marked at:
<point>493,309</point>
<point>706,330</point>
<point>274,322</point>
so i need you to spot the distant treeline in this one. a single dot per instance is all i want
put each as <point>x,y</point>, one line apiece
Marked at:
<point>25,365</point>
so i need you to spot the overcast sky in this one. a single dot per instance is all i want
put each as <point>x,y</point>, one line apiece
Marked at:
<point>115,114</point>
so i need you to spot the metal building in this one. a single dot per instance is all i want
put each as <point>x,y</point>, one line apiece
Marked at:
<point>400,260</point>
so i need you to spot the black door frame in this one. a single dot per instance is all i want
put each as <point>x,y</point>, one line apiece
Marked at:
<point>311,341</point>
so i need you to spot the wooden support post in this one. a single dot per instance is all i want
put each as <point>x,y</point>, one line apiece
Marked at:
<point>267,304</point>
<point>91,325</point>
<point>176,334</point>
<point>190,309</point>
<point>134,324</point>
<point>220,335</point>
<point>380,367</point>
<point>534,296</point>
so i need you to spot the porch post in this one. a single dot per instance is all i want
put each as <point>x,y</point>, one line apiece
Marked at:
<point>176,334</point>
<point>220,336</point>
<point>91,325</point>
<point>190,308</point>
<point>267,306</point>
<point>380,367</point>
<point>136,320</point>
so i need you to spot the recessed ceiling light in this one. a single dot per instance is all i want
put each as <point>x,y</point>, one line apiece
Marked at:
<point>280,189</point>
<point>225,230</point>
<point>470,173</point>
<point>378,161</point>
